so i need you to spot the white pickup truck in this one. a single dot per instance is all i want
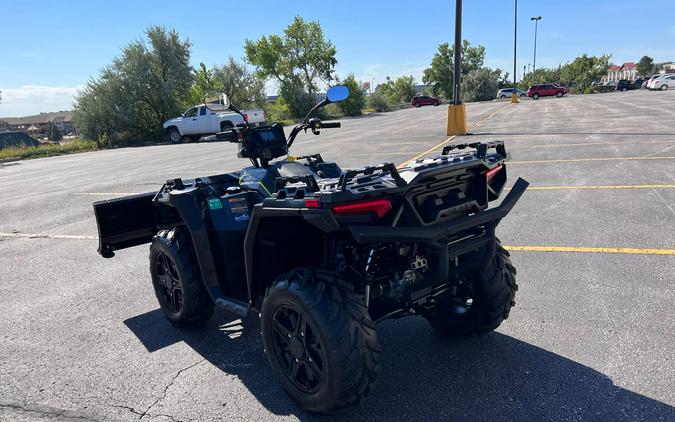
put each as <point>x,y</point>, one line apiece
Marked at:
<point>199,121</point>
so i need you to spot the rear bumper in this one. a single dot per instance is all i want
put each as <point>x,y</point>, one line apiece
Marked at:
<point>434,234</point>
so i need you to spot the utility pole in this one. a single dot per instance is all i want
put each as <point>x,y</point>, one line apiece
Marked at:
<point>514,96</point>
<point>536,20</point>
<point>456,110</point>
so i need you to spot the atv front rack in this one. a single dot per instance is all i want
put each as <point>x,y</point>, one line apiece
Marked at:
<point>480,147</point>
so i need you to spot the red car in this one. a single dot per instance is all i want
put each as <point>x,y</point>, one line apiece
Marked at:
<point>420,100</point>
<point>546,90</point>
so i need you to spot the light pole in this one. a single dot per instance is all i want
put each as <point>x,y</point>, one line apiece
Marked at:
<point>456,111</point>
<point>514,95</point>
<point>536,20</point>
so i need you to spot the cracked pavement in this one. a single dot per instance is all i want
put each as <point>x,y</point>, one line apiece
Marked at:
<point>591,336</point>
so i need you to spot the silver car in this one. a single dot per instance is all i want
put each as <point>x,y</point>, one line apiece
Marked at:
<point>506,93</point>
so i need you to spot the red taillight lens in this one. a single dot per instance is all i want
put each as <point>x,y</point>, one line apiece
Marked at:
<point>490,174</point>
<point>312,203</point>
<point>378,206</point>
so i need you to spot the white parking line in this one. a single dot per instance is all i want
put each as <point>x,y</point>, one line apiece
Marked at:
<point>48,236</point>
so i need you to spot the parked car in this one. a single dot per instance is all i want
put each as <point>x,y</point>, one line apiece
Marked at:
<point>199,121</point>
<point>649,81</point>
<point>546,90</point>
<point>625,84</point>
<point>664,82</point>
<point>506,93</point>
<point>422,100</point>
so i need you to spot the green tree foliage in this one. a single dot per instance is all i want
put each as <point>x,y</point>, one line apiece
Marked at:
<point>378,101</point>
<point>481,84</point>
<point>53,133</point>
<point>298,61</point>
<point>244,87</point>
<point>645,66</point>
<point>357,97</point>
<point>440,74</point>
<point>142,88</point>
<point>584,69</point>
<point>398,91</point>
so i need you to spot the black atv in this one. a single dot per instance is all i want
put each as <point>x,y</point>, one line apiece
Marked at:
<point>323,253</point>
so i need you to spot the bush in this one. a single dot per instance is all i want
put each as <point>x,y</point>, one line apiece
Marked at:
<point>279,111</point>
<point>480,84</point>
<point>378,102</point>
<point>46,150</point>
<point>357,97</point>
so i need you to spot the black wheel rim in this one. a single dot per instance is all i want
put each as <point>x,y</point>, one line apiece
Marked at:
<point>460,303</point>
<point>169,282</point>
<point>298,349</point>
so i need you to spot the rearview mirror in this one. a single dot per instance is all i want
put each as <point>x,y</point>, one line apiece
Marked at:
<point>217,101</point>
<point>337,93</point>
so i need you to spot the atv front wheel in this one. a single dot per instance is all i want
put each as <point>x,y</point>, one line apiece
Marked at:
<point>483,299</point>
<point>319,339</point>
<point>177,280</point>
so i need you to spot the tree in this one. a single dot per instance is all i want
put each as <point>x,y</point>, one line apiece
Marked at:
<point>298,61</point>
<point>585,69</point>
<point>53,133</point>
<point>481,84</point>
<point>244,88</point>
<point>399,91</point>
<point>645,66</point>
<point>440,74</point>
<point>357,97</point>
<point>143,87</point>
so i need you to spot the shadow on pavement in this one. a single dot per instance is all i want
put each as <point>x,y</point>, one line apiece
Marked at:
<point>425,376</point>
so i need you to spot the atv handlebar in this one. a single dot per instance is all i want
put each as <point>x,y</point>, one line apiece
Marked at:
<point>330,125</point>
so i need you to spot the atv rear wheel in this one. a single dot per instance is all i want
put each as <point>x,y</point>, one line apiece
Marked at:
<point>319,339</point>
<point>483,301</point>
<point>177,280</point>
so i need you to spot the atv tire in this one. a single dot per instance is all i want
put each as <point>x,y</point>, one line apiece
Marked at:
<point>177,280</point>
<point>319,339</point>
<point>492,292</point>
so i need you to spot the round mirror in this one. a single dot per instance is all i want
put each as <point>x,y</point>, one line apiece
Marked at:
<point>337,93</point>
<point>217,101</point>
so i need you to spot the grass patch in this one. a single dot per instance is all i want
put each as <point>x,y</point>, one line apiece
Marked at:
<point>48,150</point>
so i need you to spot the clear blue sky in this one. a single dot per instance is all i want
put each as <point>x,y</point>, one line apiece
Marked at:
<point>50,48</point>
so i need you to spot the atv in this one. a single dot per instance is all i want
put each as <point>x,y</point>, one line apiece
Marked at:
<point>321,254</point>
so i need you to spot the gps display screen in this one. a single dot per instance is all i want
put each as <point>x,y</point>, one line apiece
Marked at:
<point>267,136</point>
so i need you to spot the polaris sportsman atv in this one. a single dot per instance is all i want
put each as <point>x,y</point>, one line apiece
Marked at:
<point>322,254</point>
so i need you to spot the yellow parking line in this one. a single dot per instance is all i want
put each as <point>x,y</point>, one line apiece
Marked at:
<point>600,187</point>
<point>578,160</point>
<point>427,152</point>
<point>587,249</point>
<point>583,144</point>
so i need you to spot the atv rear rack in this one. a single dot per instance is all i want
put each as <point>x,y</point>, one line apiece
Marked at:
<point>480,147</point>
<point>387,168</point>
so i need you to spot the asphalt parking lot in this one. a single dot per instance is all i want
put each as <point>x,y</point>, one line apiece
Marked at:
<point>591,337</point>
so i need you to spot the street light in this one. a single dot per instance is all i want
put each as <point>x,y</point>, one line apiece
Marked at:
<point>514,95</point>
<point>456,111</point>
<point>536,20</point>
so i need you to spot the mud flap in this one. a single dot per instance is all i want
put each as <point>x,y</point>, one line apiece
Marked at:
<point>124,222</point>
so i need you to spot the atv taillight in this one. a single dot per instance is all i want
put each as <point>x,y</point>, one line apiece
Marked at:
<point>312,203</point>
<point>490,174</point>
<point>378,206</point>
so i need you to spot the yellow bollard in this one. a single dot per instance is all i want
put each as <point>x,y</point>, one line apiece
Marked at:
<point>514,98</point>
<point>456,120</point>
